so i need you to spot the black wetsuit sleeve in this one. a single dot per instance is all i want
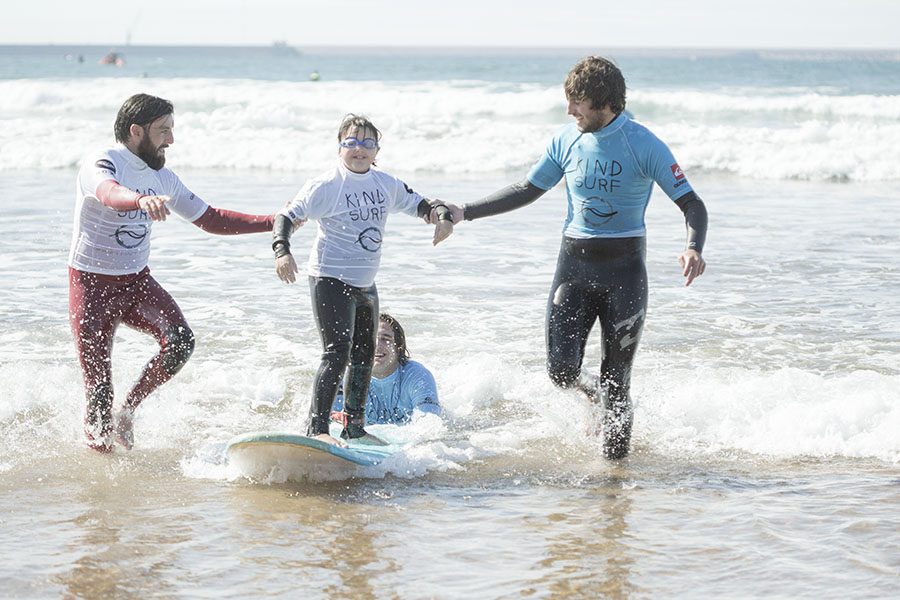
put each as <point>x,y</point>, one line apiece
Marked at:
<point>695,220</point>
<point>509,198</point>
<point>281,236</point>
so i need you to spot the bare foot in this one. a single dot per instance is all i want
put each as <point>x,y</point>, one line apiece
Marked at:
<point>324,437</point>
<point>124,423</point>
<point>370,440</point>
<point>102,445</point>
<point>594,426</point>
<point>592,389</point>
<point>99,438</point>
<point>590,386</point>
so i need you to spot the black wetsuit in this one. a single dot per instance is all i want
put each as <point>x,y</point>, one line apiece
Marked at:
<point>597,280</point>
<point>347,319</point>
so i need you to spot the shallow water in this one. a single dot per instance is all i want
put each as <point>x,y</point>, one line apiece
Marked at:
<point>520,526</point>
<point>766,455</point>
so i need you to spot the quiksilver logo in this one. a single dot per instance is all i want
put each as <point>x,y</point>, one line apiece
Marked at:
<point>104,164</point>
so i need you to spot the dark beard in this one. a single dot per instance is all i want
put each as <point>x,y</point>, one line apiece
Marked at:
<point>149,155</point>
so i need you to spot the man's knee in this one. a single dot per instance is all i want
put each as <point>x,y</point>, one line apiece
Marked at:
<point>178,347</point>
<point>563,375</point>
<point>337,355</point>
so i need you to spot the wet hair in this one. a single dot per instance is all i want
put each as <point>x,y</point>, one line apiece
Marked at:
<point>352,121</point>
<point>597,79</point>
<point>399,337</point>
<point>140,109</point>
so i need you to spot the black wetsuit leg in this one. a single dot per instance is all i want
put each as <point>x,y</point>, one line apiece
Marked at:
<point>346,318</point>
<point>598,280</point>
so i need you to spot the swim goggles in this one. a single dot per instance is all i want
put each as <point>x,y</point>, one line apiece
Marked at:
<point>368,143</point>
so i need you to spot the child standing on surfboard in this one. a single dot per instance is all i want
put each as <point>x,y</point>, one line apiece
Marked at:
<point>351,203</point>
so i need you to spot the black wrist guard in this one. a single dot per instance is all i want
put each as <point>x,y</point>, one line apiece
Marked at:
<point>281,248</point>
<point>443,213</point>
<point>281,235</point>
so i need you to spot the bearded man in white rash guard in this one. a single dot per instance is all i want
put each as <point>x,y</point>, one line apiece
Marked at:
<point>120,191</point>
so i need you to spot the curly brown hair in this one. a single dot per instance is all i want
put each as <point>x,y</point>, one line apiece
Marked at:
<point>597,79</point>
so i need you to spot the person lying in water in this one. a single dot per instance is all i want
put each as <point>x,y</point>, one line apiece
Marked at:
<point>401,389</point>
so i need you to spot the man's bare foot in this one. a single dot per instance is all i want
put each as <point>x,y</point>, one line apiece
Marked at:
<point>124,423</point>
<point>589,385</point>
<point>355,431</point>
<point>100,444</point>
<point>324,437</point>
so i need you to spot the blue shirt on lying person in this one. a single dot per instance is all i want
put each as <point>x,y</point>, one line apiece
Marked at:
<point>395,398</point>
<point>399,386</point>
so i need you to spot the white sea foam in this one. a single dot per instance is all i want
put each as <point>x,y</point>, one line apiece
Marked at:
<point>714,412</point>
<point>451,127</point>
<point>784,414</point>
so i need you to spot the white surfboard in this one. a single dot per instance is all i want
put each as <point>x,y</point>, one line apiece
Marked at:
<point>259,453</point>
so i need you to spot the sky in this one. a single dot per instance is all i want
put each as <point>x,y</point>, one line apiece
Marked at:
<point>579,23</point>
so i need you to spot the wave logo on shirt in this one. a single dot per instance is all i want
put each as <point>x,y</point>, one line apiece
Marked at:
<point>370,239</point>
<point>597,211</point>
<point>127,237</point>
<point>677,172</point>
<point>104,164</point>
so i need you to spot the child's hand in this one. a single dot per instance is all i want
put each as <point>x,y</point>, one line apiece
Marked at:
<point>442,230</point>
<point>286,268</point>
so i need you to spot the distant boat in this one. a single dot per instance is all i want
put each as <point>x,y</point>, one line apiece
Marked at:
<point>281,47</point>
<point>113,58</point>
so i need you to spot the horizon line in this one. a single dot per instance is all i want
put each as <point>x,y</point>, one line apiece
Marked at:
<point>278,45</point>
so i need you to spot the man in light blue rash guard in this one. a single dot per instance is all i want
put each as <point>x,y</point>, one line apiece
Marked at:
<point>610,164</point>
<point>401,389</point>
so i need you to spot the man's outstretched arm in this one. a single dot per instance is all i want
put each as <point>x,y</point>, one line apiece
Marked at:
<point>229,222</point>
<point>509,198</point>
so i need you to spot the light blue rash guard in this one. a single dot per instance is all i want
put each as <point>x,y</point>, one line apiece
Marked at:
<point>394,399</point>
<point>609,176</point>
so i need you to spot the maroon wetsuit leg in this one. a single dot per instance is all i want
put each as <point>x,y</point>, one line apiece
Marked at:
<point>156,313</point>
<point>97,304</point>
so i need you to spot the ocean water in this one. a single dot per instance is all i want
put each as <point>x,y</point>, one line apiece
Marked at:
<point>766,450</point>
